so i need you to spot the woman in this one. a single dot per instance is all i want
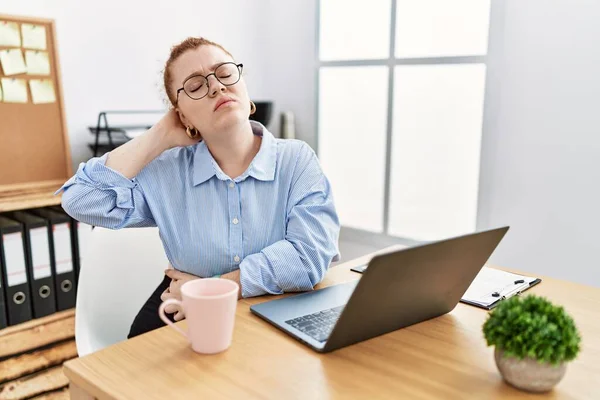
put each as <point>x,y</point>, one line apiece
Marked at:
<point>230,200</point>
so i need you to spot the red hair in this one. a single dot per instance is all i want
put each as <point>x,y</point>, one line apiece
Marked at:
<point>190,43</point>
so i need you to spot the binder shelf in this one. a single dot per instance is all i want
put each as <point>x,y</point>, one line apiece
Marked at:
<point>39,263</point>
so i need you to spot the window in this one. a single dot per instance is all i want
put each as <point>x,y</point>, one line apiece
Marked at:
<point>400,111</point>
<point>354,30</point>
<point>358,142</point>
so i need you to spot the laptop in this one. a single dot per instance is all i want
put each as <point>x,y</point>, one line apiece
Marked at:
<point>397,290</point>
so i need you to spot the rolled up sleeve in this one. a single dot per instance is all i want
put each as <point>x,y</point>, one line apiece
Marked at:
<point>301,260</point>
<point>101,196</point>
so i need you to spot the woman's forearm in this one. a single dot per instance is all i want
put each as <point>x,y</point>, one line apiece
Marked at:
<point>234,276</point>
<point>130,158</point>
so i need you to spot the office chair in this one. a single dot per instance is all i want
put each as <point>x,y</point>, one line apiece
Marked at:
<point>119,270</point>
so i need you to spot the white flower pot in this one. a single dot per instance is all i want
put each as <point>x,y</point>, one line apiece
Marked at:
<point>529,374</point>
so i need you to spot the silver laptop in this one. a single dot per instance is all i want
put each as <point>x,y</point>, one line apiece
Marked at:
<point>396,290</point>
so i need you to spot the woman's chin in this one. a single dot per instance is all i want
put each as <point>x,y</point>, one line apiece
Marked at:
<point>229,119</point>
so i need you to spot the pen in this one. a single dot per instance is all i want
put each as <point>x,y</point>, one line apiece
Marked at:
<point>517,282</point>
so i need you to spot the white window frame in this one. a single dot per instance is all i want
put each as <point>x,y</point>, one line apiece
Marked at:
<point>391,62</point>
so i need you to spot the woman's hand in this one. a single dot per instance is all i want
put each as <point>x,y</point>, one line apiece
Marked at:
<point>174,131</point>
<point>234,276</point>
<point>178,278</point>
<point>130,158</point>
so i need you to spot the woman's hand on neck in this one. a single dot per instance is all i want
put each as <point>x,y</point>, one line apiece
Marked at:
<point>235,149</point>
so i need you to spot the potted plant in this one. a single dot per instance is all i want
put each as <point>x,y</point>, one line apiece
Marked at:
<point>533,340</point>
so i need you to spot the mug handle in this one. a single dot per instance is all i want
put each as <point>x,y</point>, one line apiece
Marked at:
<point>161,314</point>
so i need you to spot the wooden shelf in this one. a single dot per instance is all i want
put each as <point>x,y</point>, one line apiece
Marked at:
<point>32,197</point>
<point>37,322</point>
<point>37,333</point>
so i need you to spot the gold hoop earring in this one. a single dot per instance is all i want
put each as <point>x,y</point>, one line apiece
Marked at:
<point>192,133</point>
<point>252,107</point>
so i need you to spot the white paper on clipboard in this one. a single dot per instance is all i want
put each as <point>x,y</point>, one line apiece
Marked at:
<point>62,248</point>
<point>15,259</point>
<point>489,281</point>
<point>40,252</point>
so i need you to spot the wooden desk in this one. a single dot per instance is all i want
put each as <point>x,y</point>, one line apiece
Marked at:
<point>445,358</point>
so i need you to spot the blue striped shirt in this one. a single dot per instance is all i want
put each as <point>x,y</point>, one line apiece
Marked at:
<point>276,222</point>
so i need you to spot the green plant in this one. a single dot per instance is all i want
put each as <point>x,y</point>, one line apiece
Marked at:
<point>532,327</point>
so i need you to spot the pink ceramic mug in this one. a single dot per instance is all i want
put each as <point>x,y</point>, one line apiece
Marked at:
<point>209,307</point>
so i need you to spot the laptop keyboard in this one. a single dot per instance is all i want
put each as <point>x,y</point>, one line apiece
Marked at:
<point>318,325</point>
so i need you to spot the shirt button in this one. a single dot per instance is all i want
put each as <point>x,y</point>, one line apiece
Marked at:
<point>235,221</point>
<point>231,185</point>
<point>236,259</point>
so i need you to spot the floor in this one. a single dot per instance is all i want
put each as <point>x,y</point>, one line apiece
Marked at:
<point>355,243</point>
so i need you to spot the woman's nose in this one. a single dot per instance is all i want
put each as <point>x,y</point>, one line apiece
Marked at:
<point>214,86</point>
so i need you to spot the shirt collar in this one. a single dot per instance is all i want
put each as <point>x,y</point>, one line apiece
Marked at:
<point>262,166</point>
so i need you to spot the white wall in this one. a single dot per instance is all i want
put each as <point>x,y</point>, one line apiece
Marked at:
<point>112,52</point>
<point>290,32</point>
<point>541,143</point>
<point>539,172</point>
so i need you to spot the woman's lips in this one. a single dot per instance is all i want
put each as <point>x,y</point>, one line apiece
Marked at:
<point>223,102</point>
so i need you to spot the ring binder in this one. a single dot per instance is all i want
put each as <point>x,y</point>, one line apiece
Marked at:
<point>61,258</point>
<point>79,237</point>
<point>15,279</point>
<point>37,258</point>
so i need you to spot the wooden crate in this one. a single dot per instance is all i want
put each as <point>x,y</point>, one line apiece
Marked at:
<point>31,357</point>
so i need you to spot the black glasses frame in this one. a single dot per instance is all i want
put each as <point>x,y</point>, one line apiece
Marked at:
<point>240,68</point>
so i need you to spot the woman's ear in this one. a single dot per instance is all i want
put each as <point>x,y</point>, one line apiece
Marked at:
<point>182,118</point>
<point>190,130</point>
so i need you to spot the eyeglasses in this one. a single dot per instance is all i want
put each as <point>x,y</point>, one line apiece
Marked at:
<point>197,86</point>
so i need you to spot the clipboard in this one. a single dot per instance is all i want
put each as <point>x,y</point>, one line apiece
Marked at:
<point>491,286</point>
